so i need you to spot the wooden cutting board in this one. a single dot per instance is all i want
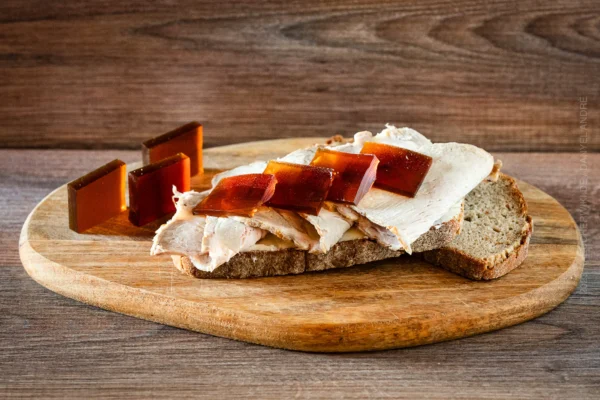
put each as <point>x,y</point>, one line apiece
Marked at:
<point>395,303</point>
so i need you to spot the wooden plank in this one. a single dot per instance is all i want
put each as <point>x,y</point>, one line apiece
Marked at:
<point>504,75</point>
<point>54,347</point>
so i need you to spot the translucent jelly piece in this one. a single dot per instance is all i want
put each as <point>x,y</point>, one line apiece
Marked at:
<point>400,170</point>
<point>238,195</point>
<point>97,196</point>
<point>301,188</point>
<point>186,139</point>
<point>151,188</point>
<point>355,174</point>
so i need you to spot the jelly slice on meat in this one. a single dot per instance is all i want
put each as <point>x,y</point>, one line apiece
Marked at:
<point>151,188</point>
<point>401,171</point>
<point>186,139</point>
<point>239,195</point>
<point>300,188</point>
<point>355,174</point>
<point>97,196</point>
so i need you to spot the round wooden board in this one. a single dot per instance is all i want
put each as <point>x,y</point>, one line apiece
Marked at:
<point>390,304</point>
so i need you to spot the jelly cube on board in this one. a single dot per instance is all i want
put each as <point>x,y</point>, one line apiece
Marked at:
<point>97,196</point>
<point>239,195</point>
<point>186,139</point>
<point>401,171</point>
<point>301,188</point>
<point>151,188</point>
<point>355,174</point>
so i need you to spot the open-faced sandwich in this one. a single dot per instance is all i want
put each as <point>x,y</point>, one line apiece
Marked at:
<point>353,202</point>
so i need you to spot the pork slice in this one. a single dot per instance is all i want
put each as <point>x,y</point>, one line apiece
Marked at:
<point>208,241</point>
<point>456,170</point>
<point>224,238</point>
<point>330,226</point>
<point>284,224</point>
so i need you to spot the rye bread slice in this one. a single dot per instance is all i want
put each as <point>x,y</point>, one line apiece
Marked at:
<point>495,235</point>
<point>344,254</point>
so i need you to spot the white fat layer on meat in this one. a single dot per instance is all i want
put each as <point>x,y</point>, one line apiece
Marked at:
<point>180,237</point>
<point>374,231</point>
<point>400,137</point>
<point>224,238</point>
<point>455,171</point>
<point>284,224</point>
<point>183,233</point>
<point>206,242</point>
<point>256,167</point>
<point>330,226</point>
<point>300,156</point>
<point>271,243</point>
<point>353,234</point>
<point>185,203</point>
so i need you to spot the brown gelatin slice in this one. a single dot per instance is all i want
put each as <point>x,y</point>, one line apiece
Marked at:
<point>300,188</point>
<point>186,139</point>
<point>355,174</point>
<point>97,196</point>
<point>239,195</point>
<point>401,171</point>
<point>151,188</point>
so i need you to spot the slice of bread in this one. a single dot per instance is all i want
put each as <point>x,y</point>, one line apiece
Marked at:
<point>495,236</point>
<point>493,240</point>
<point>254,264</point>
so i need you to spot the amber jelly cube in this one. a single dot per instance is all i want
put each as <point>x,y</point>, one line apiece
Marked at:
<point>301,188</point>
<point>151,188</point>
<point>97,196</point>
<point>186,139</point>
<point>355,174</point>
<point>239,195</point>
<point>401,171</point>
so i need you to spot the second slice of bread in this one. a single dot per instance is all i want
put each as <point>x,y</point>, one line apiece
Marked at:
<point>495,236</point>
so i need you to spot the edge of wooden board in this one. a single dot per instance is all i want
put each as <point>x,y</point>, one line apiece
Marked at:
<point>324,337</point>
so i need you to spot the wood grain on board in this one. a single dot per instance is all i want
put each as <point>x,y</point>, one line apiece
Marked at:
<point>505,75</point>
<point>390,304</point>
<point>54,347</point>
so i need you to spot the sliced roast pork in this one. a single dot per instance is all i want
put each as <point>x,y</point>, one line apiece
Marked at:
<point>208,241</point>
<point>456,170</point>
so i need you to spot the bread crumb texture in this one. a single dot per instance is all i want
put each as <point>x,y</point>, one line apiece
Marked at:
<point>495,222</point>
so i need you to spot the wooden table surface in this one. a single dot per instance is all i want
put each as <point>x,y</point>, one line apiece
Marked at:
<point>506,75</point>
<point>56,347</point>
